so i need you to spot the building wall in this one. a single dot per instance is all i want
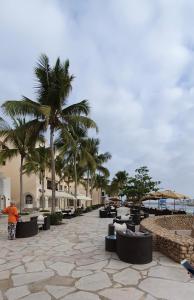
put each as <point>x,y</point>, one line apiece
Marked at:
<point>11,170</point>
<point>32,186</point>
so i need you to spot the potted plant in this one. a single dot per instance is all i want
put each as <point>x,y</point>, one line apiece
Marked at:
<point>137,187</point>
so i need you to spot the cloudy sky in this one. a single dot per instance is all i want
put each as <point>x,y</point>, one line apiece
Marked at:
<point>133,60</point>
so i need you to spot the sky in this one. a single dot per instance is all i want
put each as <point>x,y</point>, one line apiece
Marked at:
<point>132,59</point>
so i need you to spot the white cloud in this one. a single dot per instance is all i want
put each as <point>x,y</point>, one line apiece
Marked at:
<point>132,59</point>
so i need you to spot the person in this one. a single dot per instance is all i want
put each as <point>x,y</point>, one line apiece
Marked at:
<point>13,216</point>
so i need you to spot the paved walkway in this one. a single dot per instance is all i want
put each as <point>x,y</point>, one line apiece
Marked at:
<point>69,262</point>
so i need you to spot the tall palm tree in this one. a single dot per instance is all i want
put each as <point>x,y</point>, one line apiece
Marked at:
<point>75,151</point>
<point>37,162</point>
<point>120,180</point>
<point>19,138</point>
<point>101,183</point>
<point>51,111</point>
<point>92,146</point>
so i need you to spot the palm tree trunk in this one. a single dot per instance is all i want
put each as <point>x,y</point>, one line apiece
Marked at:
<point>21,183</point>
<point>43,192</point>
<point>88,183</point>
<point>75,175</point>
<point>52,167</point>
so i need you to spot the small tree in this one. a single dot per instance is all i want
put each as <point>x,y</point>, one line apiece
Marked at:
<point>140,185</point>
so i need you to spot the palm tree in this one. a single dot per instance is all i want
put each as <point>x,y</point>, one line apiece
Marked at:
<point>120,180</point>
<point>19,138</point>
<point>75,151</point>
<point>51,111</point>
<point>92,147</point>
<point>101,183</point>
<point>37,162</point>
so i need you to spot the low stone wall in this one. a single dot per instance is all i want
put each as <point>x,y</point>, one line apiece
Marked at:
<point>166,241</point>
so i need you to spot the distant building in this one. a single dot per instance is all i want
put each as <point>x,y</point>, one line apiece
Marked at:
<point>10,188</point>
<point>5,191</point>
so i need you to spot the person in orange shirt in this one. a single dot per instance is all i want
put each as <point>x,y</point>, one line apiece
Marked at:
<point>13,216</point>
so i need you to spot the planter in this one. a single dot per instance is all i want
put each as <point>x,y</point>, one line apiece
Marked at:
<point>26,229</point>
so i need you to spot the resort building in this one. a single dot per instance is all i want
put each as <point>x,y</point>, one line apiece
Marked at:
<point>5,191</point>
<point>32,190</point>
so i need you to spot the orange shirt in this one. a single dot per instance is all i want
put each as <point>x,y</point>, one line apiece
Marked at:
<point>12,213</point>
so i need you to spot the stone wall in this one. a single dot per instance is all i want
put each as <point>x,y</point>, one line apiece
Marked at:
<point>166,241</point>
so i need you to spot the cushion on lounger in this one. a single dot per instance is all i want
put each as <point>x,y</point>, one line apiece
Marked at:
<point>120,227</point>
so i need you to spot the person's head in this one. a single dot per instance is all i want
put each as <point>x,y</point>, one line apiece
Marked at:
<point>12,203</point>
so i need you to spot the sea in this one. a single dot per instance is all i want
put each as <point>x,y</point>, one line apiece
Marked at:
<point>169,204</point>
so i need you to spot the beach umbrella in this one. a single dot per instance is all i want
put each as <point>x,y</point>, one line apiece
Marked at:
<point>174,195</point>
<point>114,199</point>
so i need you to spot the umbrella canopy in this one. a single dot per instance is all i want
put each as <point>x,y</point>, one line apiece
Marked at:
<point>114,199</point>
<point>167,194</point>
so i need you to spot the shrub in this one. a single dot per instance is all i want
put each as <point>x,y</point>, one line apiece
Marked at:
<point>44,210</point>
<point>56,218</point>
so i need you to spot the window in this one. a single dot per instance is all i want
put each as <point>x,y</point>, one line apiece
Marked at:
<point>29,199</point>
<point>60,187</point>
<point>49,185</point>
<point>71,202</point>
<point>4,162</point>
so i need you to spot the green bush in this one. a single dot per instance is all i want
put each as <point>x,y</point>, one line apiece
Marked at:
<point>44,210</point>
<point>24,213</point>
<point>78,211</point>
<point>56,218</point>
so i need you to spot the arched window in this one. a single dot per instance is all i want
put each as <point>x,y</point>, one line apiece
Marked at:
<point>29,199</point>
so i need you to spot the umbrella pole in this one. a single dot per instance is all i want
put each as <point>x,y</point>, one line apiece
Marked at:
<point>158,203</point>
<point>174,204</point>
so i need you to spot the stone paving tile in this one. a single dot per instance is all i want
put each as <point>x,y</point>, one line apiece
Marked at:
<point>81,295</point>
<point>34,266</point>
<point>18,270</point>
<point>4,275</point>
<point>59,291</point>
<point>176,274</point>
<point>127,277</point>
<point>38,296</point>
<point>117,264</point>
<point>122,293</point>
<point>62,269</point>
<point>31,277</point>
<point>70,262</point>
<point>17,292</point>
<point>95,282</point>
<point>167,289</point>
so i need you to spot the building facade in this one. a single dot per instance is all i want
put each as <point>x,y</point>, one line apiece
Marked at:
<point>32,189</point>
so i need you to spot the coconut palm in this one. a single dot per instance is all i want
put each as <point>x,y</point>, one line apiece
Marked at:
<point>101,183</point>
<point>75,151</point>
<point>120,180</point>
<point>92,147</point>
<point>51,111</point>
<point>37,162</point>
<point>18,138</point>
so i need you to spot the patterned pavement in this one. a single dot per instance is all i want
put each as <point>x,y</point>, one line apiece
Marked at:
<point>69,262</point>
